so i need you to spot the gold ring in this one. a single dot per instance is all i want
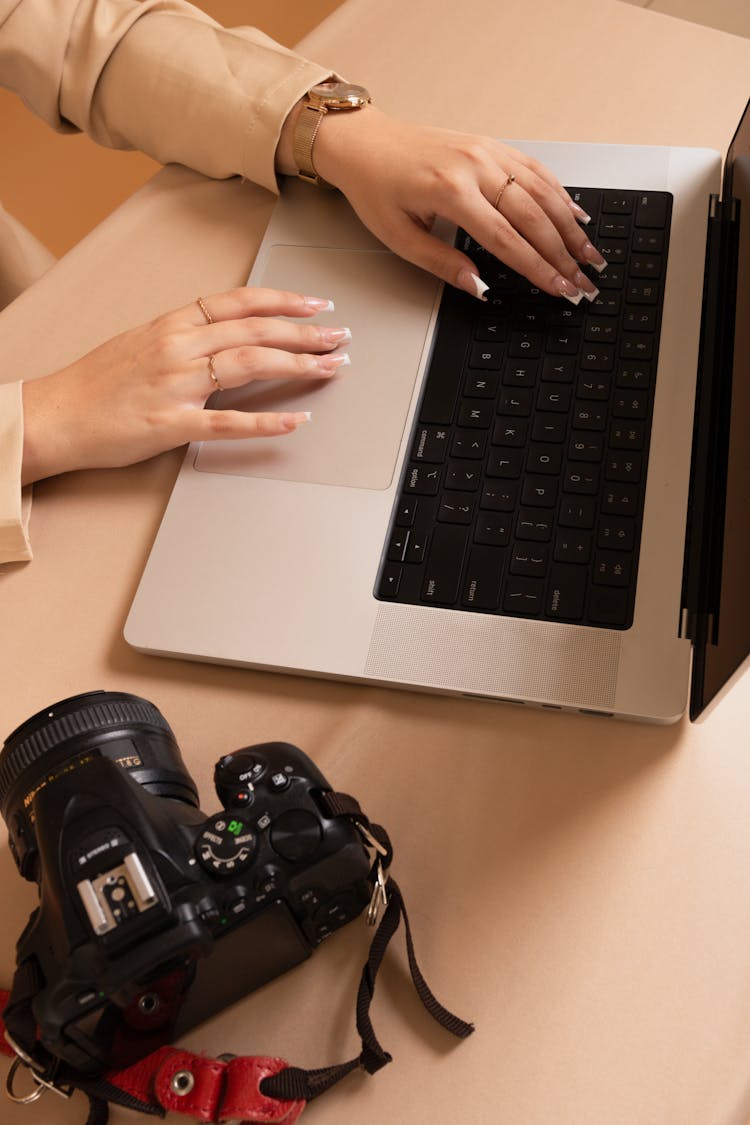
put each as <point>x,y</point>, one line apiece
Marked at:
<point>499,195</point>
<point>204,310</point>
<point>212,373</point>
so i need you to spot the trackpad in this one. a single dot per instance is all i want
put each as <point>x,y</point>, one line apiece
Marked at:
<point>358,415</point>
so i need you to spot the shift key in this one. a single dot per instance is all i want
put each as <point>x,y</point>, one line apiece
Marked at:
<point>442,574</point>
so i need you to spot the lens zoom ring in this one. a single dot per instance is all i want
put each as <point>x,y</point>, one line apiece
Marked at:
<point>92,717</point>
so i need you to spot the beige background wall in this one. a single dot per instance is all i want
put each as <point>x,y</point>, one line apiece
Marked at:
<point>90,181</point>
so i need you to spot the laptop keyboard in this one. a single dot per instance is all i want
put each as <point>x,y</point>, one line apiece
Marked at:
<point>523,492</point>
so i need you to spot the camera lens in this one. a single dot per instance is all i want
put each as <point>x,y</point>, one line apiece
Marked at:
<point>124,728</point>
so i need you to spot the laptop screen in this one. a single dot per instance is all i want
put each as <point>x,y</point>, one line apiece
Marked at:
<point>728,639</point>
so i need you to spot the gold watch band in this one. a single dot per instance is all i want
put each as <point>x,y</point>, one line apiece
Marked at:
<point>305,132</point>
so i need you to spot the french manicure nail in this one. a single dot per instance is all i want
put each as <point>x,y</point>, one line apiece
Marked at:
<point>330,363</point>
<point>579,213</point>
<point>335,335</point>
<point>566,289</point>
<point>291,421</point>
<point>320,304</point>
<point>472,283</point>
<point>591,255</point>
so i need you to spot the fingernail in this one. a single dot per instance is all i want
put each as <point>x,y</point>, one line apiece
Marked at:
<point>320,304</point>
<point>335,335</point>
<point>591,255</point>
<point>586,286</point>
<point>579,213</point>
<point>565,288</point>
<point>472,284</point>
<point>291,421</point>
<point>330,363</point>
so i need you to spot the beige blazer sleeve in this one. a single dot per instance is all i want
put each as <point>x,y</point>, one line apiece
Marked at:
<point>156,75</point>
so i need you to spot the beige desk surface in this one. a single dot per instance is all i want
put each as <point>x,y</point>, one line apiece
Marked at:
<point>580,888</point>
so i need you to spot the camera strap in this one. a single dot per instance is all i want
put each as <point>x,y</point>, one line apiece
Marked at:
<point>251,1089</point>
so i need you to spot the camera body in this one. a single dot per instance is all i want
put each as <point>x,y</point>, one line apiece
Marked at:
<point>153,915</point>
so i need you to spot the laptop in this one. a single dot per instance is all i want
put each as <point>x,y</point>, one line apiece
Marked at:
<point>517,499</point>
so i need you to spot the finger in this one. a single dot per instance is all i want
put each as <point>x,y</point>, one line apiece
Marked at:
<point>415,244</point>
<point>249,301</point>
<point>546,174</point>
<point>557,207</point>
<point>217,425</point>
<point>262,332</point>
<point>534,223</point>
<point>237,366</point>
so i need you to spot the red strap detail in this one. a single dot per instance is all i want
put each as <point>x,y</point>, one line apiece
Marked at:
<point>215,1090</point>
<point>219,1090</point>
<point>5,1047</point>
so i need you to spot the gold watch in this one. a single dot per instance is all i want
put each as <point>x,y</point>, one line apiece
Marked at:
<point>320,100</point>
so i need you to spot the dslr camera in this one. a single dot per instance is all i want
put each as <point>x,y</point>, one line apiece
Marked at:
<point>153,915</point>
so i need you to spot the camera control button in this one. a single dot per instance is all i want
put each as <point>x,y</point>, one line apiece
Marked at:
<point>279,781</point>
<point>296,835</point>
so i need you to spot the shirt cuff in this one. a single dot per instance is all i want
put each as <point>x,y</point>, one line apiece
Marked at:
<point>15,503</point>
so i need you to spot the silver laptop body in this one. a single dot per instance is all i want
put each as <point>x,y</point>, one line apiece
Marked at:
<point>269,551</point>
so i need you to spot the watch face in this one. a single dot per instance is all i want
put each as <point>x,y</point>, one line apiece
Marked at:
<point>340,95</point>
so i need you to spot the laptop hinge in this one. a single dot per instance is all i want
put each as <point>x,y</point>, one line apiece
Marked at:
<point>701,579</point>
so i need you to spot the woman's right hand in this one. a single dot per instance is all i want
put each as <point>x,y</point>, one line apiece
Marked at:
<point>144,391</point>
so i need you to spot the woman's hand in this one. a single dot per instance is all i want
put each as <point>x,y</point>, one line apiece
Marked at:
<point>400,177</point>
<point>143,392</point>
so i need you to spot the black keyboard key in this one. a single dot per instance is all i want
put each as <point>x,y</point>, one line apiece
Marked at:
<point>599,357</point>
<point>397,545</point>
<point>462,475</point>
<point>549,427</point>
<point>422,480</point>
<point>630,404</point>
<point>618,202</point>
<point>525,345</point>
<point>586,447</point>
<point>611,569</point>
<point>475,415</point>
<point>510,431</point>
<point>608,606</point>
<point>492,329</point>
<point>493,529</point>
<point>499,497</point>
<point>606,304</point>
<point>515,402</point>
<point>505,463</point>
<point>614,250</point>
<point>468,443</point>
<point>483,578</point>
<point>651,209</point>
<point>630,435</point>
<point>444,378</point>
<point>648,241</point>
<point>581,480</point>
<point>612,278</point>
<point>636,345</point>
<point>442,574</point>
<point>405,512</point>
<point>620,500</point>
<point>635,376</point>
<point>594,388</point>
<point>553,397</point>
<point>641,319</point>
<point>545,459</point>
<point>390,581</point>
<point>456,507</point>
<point>577,511</point>
<point>563,342</point>
<point>566,592</point>
<point>539,492</point>
<point>482,384</point>
<point>534,525</point>
<point>488,357</point>
<point>523,595</point>
<point>623,467</point>
<point>616,533</point>
<point>430,444</point>
<point>520,373</point>
<point>610,226</point>
<point>529,560</point>
<point>589,416</point>
<point>642,293</point>
<point>573,546</point>
<point>601,330</point>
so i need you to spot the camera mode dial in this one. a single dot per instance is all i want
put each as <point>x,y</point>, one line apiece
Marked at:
<point>226,845</point>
